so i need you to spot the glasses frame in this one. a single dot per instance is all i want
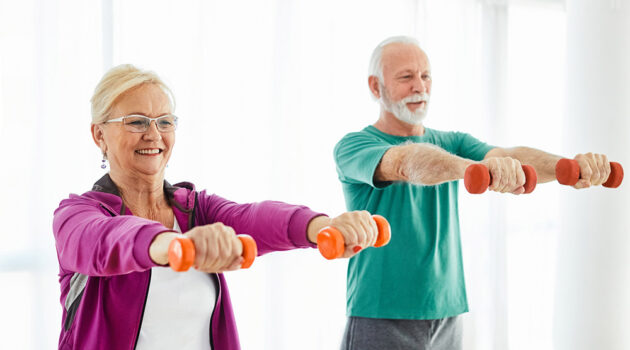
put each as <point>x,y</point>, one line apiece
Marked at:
<point>122,120</point>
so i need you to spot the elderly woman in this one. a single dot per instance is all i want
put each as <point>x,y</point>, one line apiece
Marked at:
<point>117,291</point>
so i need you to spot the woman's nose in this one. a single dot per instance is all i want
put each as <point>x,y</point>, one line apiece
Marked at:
<point>152,132</point>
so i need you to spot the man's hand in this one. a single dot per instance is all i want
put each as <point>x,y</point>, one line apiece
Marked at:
<point>594,169</point>
<point>507,175</point>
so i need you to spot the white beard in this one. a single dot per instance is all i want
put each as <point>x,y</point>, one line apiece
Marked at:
<point>401,111</point>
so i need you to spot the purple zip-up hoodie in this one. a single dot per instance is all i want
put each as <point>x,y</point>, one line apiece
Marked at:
<point>105,268</point>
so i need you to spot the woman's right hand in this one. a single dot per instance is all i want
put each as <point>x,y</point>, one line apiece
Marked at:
<point>217,248</point>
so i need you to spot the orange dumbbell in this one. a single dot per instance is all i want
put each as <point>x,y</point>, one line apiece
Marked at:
<point>181,252</point>
<point>477,178</point>
<point>331,243</point>
<point>568,173</point>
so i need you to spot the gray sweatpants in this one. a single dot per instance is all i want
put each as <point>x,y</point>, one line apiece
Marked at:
<point>389,334</point>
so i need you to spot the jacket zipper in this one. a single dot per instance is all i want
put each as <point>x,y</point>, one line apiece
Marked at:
<point>216,299</point>
<point>135,343</point>
<point>191,224</point>
<point>146,295</point>
<point>109,210</point>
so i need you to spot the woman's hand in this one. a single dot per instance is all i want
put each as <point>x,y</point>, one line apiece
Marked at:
<point>217,248</point>
<point>358,229</point>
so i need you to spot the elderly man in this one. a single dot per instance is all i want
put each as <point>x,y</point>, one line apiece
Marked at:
<point>408,295</point>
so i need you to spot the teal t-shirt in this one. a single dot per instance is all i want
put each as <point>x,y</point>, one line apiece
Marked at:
<point>419,274</point>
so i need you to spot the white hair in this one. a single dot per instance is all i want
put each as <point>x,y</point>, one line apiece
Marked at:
<point>376,66</point>
<point>116,82</point>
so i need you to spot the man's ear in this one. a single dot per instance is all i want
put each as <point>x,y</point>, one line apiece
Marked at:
<point>98,137</point>
<point>374,86</point>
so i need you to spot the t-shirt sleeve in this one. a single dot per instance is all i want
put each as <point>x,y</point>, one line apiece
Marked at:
<point>357,156</point>
<point>472,148</point>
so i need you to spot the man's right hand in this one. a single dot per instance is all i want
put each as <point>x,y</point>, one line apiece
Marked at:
<point>507,175</point>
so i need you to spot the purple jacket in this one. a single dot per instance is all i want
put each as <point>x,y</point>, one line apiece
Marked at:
<point>105,268</point>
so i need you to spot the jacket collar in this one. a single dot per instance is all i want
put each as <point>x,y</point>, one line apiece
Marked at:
<point>107,185</point>
<point>182,195</point>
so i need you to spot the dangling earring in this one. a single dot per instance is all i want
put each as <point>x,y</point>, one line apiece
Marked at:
<point>103,165</point>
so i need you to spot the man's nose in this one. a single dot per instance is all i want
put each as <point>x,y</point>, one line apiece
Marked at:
<point>419,85</point>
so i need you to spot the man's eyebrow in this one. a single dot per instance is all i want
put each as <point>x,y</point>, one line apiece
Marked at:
<point>404,71</point>
<point>144,115</point>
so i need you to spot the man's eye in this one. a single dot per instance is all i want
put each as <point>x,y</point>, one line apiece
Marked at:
<point>135,122</point>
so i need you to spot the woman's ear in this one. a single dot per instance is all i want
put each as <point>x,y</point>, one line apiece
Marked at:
<point>98,137</point>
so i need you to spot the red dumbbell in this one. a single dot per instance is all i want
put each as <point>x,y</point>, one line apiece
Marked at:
<point>331,243</point>
<point>181,252</point>
<point>568,173</point>
<point>477,178</point>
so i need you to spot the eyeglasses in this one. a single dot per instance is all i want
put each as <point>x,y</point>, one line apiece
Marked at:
<point>141,123</point>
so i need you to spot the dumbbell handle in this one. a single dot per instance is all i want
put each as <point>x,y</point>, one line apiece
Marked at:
<point>181,252</point>
<point>331,243</point>
<point>568,173</point>
<point>477,178</point>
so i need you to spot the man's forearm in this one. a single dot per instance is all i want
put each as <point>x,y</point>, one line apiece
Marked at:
<point>428,164</point>
<point>543,162</point>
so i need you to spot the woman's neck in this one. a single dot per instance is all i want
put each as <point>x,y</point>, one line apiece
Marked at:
<point>140,193</point>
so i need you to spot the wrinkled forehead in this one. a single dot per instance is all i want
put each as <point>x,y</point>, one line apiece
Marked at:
<point>399,57</point>
<point>147,99</point>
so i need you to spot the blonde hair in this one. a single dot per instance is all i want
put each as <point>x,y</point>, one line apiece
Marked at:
<point>116,82</point>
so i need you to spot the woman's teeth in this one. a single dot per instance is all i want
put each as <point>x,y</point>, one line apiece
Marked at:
<point>148,151</point>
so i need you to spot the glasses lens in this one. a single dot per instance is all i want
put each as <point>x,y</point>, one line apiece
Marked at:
<point>167,123</point>
<point>136,123</point>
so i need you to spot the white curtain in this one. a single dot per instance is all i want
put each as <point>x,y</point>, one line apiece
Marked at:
<point>264,90</point>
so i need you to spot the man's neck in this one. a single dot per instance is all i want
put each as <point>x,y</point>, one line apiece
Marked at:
<point>389,124</point>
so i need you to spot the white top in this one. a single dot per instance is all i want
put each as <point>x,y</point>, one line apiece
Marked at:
<point>178,309</point>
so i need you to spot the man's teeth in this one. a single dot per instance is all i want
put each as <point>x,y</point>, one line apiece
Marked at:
<point>148,151</point>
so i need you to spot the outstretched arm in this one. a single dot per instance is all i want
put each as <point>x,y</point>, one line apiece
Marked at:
<point>594,168</point>
<point>543,162</point>
<point>92,242</point>
<point>427,164</point>
<point>420,163</point>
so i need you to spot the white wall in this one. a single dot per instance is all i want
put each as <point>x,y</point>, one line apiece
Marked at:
<point>593,295</point>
